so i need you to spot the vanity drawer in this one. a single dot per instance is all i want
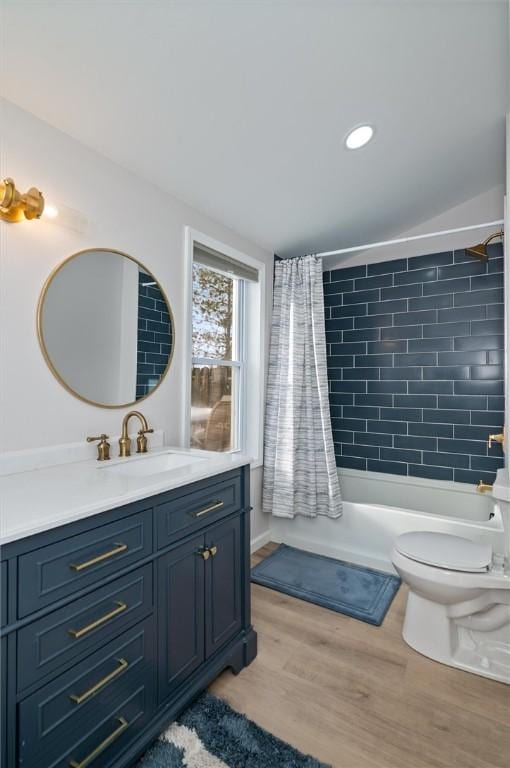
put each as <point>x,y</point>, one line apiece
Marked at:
<point>60,712</point>
<point>98,743</point>
<point>186,513</point>
<point>58,570</point>
<point>55,640</point>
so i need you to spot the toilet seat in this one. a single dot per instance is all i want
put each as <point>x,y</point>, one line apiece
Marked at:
<point>443,550</point>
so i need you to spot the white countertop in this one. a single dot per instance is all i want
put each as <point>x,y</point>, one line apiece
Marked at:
<point>41,499</point>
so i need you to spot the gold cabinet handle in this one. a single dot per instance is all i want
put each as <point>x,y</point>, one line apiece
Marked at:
<point>117,549</point>
<point>80,698</point>
<point>101,747</point>
<point>215,505</point>
<point>483,487</point>
<point>213,550</point>
<point>204,554</point>
<point>77,633</point>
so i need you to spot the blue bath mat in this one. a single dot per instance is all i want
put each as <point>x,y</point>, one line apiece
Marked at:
<point>210,729</point>
<point>360,592</point>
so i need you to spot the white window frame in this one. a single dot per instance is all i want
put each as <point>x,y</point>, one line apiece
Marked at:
<point>251,351</point>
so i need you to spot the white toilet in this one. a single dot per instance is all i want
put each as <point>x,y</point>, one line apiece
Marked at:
<point>458,609</point>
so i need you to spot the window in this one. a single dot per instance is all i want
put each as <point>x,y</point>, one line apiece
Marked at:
<point>218,365</point>
<point>225,351</point>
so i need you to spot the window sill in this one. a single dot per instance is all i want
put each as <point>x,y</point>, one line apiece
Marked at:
<point>254,464</point>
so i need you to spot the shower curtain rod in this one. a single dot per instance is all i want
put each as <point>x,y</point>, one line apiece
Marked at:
<point>410,239</point>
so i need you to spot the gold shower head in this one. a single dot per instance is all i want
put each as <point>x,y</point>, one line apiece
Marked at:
<point>480,251</point>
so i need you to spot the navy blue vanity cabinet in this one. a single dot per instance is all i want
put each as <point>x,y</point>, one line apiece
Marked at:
<point>54,641</point>
<point>3,665</point>
<point>222,584</point>
<point>3,594</point>
<point>181,609</point>
<point>183,513</point>
<point>61,712</point>
<point>199,601</point>
<point>112,625</point>
<point>57,570</point>
<point>99,745</point>
<point>3,702</point>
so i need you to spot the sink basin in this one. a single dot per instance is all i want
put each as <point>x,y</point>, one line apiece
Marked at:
<point>152,465</point>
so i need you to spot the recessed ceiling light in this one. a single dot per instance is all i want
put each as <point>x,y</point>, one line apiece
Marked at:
<point>359,136</point>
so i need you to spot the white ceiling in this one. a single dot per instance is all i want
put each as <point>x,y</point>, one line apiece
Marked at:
<point>240,107</point>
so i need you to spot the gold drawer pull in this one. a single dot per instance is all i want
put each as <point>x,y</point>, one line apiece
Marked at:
<point>80,698</point>
<point>213,550</point>
<point>76,633</point>
<point>101,747</point>
<point>117,549</point>
<point>204,554</point>
<point>215,505</point>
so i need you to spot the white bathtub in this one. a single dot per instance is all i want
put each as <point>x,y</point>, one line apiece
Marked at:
<point>366,531</point>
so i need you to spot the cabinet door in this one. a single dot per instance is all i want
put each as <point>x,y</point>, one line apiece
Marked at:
<point>222,584</point>
<point>181,614</point>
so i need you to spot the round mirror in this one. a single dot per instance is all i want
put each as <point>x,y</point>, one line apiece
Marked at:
<point>105,328</point>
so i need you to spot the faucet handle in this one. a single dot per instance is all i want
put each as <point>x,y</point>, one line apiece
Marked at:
<point>498,438</point>
<point>141,440</point>
<point>483,487</point>
<point>103,448</point>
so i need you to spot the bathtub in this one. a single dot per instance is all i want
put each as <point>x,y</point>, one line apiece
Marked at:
<point>378,507</point>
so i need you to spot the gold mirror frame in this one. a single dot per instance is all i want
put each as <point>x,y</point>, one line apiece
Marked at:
<point>40,332</point>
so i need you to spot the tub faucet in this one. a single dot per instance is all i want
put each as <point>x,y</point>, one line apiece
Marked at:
<point>499,438</point>
<point>141,440</point>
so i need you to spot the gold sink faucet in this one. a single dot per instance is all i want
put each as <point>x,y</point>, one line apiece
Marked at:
<point>141,440</point>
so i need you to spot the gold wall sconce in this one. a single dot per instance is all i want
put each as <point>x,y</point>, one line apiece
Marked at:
<point>15,206</point>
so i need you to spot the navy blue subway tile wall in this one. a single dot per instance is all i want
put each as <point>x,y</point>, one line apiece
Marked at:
<point>154,335</point>
<point>415,365</point>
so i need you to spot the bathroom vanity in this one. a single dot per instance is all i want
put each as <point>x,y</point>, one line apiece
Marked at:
<point>124,594</point>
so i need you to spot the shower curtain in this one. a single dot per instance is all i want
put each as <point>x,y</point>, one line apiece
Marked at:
<point>300,476</point>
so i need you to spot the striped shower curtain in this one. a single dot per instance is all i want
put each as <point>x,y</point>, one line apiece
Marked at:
<point>300,476</point>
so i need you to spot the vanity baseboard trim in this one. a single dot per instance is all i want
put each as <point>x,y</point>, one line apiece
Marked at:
<point>231,644</point>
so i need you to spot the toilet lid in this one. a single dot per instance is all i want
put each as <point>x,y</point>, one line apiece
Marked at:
<point>444,551</point>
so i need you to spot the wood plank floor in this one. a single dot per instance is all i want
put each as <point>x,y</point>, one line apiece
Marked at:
<point>356,696</point>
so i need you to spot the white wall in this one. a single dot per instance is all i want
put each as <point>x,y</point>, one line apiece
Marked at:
<point>487,206</point>
<point>124,213</point>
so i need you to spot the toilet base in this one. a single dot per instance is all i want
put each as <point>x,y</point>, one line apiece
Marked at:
<point>430,629</point>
